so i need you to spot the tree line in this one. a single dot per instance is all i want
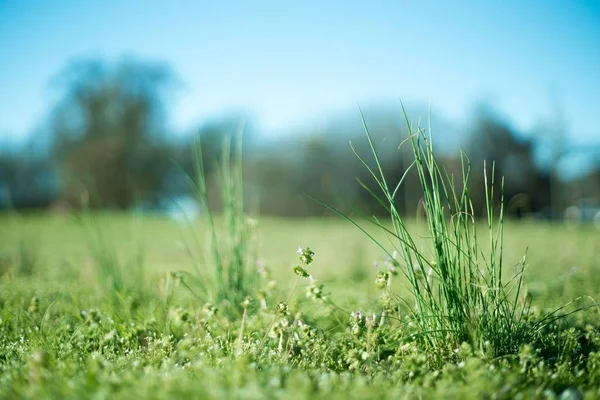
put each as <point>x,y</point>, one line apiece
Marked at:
<point>108,148</point>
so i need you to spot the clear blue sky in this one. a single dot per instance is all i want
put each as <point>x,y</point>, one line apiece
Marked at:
<point>291,61</point>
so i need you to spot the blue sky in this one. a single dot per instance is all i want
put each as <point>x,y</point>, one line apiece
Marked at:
<point>288,62</point>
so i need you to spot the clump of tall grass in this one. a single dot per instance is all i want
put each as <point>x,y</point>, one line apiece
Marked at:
<point>460,293</point>
<point>121,280</point>
<point>227,275</point>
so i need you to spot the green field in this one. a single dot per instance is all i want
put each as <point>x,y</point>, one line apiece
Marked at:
<point>80,319</point>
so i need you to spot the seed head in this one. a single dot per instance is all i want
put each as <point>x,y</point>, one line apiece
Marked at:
<point>306,255</point>
<point>282,308</point>
<point>381,279</point>
<point>298,270</point>
<point>315,292</point>
<point>246,302</point>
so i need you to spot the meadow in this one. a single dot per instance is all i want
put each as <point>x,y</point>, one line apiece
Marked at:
<point>66,333</point>
<point>101,305</point>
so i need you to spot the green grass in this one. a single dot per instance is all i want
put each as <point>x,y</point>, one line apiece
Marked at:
<point>120,306</point>
<point>224,267</point>
<point>63,336</point>
<point>458,291</point>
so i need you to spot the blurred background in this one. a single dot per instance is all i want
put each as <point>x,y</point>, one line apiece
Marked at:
<point>100,102</point>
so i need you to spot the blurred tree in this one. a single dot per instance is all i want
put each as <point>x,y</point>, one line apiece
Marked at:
<point>107,132</point>
<point>26,180</point>
<point>526,189</point>
<point>213,135</point>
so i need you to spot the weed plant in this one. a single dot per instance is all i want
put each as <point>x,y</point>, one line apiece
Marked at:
<point>459,293</point>
<point>121,280</point>
<point>226,276</point>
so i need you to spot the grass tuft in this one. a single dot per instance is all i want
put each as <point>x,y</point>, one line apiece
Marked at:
<point>458,292</point>
<point>227,275</point>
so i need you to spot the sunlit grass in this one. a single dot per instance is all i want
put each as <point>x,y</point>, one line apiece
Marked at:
<point>128,306</point>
